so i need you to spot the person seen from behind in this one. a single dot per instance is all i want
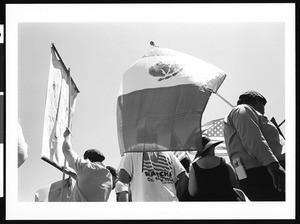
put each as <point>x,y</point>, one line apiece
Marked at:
<point>122,190</point>
<point>211,177</point>
<point>255,149</point>
<point>94,181</point>
<point>152,171</point>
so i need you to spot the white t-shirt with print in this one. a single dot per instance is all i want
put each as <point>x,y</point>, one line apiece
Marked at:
<point>153,175</point>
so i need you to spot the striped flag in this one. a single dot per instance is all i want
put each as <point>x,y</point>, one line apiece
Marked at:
<point>59,109</point>
<point>214,130</point>
<point>164,94</point>
<point>154,161</point>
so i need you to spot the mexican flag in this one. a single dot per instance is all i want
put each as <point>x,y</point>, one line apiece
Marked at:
<point>162,98</point>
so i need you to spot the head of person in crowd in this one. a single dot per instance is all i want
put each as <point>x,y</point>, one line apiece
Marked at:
<point>254,99</point>
<point>207,146</point>
<point>94,155</point>
<point>114,174</point>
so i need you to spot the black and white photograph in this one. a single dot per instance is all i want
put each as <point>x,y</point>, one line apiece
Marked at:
<point>150,111</point>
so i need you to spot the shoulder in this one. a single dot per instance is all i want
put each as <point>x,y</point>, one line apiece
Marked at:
<point>170,155</point>
<point>242,109</point>
<point>240,112</point>
<point>131,156</point>
<point>82,164</point>
<point>80,160</point>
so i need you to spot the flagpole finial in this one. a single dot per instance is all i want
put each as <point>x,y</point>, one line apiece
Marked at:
<point>153,44</point>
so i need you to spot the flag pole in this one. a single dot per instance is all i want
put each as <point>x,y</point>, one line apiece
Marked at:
<point>223,99</point>
<point>281,123</point>
<point>69,114</point>
<point>277,126</point>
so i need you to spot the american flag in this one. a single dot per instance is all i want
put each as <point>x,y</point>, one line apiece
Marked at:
<point>156,161</point>
<point>214,130</point>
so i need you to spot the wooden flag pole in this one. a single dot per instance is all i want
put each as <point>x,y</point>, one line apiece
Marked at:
<point>223,99</point>
<point>69,121</point>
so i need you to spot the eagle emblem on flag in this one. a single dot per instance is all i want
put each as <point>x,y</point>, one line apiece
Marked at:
<point>164,71</point>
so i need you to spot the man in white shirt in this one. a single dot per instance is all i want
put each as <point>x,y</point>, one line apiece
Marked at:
<point>94,181</point>
<point>153,174</point>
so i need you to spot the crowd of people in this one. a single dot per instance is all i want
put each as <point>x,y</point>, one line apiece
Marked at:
<point>255,172</point>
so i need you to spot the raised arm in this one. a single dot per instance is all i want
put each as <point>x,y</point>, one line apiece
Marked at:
<point>68,151</point>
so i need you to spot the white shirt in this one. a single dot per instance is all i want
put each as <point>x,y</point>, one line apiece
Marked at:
<point>153,177</point>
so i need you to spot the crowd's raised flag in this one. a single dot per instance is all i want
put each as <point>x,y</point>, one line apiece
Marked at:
<point>214,130</point>
<point>59,110</point>
<point>52,192</point>
<point>165,92</point>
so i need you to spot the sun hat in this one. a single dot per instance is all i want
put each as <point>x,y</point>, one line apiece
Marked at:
<point>206,144</point>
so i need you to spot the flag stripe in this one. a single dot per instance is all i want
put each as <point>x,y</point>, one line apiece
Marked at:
<point>158,68</point>
<point>167,110</point>
<point>214,129</point>
<point>162,98</point>
<point>159,164</point>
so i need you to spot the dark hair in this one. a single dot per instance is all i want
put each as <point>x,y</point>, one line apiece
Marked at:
<point>251,97</point>
<point>94,155</point>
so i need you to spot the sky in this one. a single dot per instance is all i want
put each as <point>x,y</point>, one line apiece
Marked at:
<point>99,49</point>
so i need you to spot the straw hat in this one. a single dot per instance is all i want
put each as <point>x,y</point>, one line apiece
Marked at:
<point>207,144</point>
